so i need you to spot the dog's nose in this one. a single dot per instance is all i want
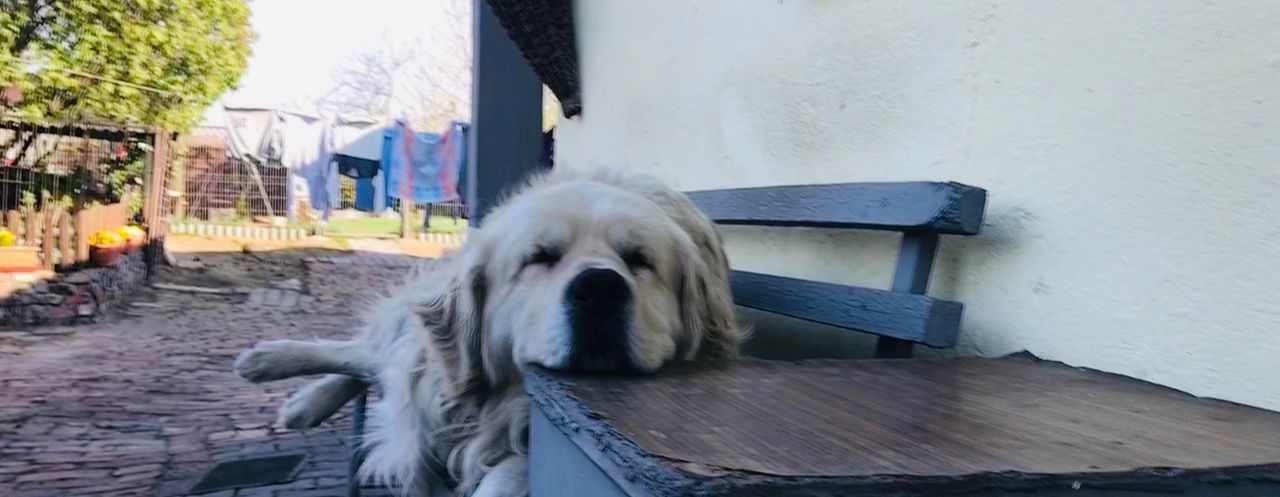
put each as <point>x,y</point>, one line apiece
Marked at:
<point>599,313</point>
<point>599,287</point>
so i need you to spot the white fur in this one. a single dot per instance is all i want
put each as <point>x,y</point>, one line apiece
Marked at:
<point>449,349</point>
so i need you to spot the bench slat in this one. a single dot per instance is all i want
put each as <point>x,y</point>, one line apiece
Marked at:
<point>917,318</point>
<point>937,207</point>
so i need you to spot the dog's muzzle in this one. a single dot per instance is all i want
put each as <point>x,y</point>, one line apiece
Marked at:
<point>599,304</point>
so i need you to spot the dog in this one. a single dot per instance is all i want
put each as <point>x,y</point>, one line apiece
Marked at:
<point>603,272</point>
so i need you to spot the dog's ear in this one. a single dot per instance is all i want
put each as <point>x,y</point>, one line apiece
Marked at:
<point>466,311</point>
<point>711,329</point>
<point>706,303</point>
<point>453,318</point>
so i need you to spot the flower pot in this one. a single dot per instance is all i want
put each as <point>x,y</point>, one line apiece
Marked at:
<point>106,255</point>
<point>133,245</point>
<point>16,259</point>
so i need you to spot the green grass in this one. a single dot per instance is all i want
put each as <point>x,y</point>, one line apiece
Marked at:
<point>379,227</point>
<point>362,227</point>
<point>445,224</point>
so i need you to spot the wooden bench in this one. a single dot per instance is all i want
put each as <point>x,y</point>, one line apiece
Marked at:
<point>973,427</point>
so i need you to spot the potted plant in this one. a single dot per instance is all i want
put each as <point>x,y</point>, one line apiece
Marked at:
<point>105,248</point>
<point>134,238</point>
<point>15,258</point>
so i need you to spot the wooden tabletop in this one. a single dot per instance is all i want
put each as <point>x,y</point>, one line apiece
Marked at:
<point>858,422</point>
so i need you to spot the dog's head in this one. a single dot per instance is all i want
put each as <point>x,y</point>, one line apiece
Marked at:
<point>610,273</point>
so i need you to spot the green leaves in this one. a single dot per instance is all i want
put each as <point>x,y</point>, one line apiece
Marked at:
<point>187,52</point>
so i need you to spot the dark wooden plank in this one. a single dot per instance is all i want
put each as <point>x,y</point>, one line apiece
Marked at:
<point>506,109</point>
<point>915,318</point>
<point>967,426</point>
<point>911,275</point>
<point>557,468</point>
<point>948,208</point>
<point>112,133</point>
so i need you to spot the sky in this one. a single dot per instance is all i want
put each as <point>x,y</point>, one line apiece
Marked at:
<point>301,42</point>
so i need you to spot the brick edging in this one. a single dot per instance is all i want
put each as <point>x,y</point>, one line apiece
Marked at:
<point>282,233</point>
<point>443,238</point>
<point>234,231</point>
<point>76,297</point>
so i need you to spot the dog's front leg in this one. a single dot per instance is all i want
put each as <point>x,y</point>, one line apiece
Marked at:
<point>280,359</point>
<point>318,401</point>
<point>508,479</point>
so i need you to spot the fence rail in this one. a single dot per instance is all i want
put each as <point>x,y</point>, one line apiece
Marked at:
<point>61,236</point>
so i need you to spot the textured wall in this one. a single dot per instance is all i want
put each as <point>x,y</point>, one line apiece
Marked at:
<point>1132,152</point>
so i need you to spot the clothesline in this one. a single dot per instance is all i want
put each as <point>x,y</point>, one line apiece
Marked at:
<point>394,162</point>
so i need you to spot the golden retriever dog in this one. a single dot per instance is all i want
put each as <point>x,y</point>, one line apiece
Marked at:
<point>594,273</point>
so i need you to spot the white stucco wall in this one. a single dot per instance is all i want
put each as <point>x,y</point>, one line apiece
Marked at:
<point>1131,151</point>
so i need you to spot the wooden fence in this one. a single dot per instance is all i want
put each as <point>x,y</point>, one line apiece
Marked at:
<point>63,237</point>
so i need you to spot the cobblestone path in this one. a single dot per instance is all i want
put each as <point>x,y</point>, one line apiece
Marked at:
<point>145,403</point>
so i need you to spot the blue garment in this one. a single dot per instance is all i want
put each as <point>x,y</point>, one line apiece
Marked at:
<point>322,175</point>
<point>307,151</point>
<point>456,139</point>
<point>365,194</point>
<point>423,167</point>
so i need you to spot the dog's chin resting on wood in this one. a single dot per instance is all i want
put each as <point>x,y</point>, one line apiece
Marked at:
<point>599,272</point>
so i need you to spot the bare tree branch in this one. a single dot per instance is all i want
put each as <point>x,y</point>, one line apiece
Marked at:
<point>427,81</point>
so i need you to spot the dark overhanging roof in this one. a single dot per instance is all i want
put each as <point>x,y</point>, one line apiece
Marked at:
<point>83,129</point>
<point>543,31</point>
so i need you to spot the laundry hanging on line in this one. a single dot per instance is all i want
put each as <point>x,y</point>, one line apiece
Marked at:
<point>424,167</point>
<point>356,168</point>
<point>314,149</point>
<point>388,163</point>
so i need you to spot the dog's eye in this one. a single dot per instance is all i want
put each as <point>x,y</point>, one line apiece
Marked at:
<point>543,256</point>
<point>636,260</point>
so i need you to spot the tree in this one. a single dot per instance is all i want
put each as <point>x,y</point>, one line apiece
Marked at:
<point>427,80</point>
<point>150,62</point>
<point>365,85</point>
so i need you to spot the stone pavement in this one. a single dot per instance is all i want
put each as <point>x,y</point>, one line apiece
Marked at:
<point>147,404</point>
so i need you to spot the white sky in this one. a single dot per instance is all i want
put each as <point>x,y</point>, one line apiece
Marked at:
<point>301,42</point>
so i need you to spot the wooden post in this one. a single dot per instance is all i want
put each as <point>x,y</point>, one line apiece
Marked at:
<point>506,112</point>
<point>357,443</point>
<point>33,228</point>
<point>910,275</point>
<point>406,206</point>
<point>153,203</point>
<point>66,244</point>
<point>83,227</point>
<point>47,241</point>
<point>14,223</point>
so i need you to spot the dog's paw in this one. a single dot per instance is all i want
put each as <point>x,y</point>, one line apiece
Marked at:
<point>298,413</point>
<point>262,362</point>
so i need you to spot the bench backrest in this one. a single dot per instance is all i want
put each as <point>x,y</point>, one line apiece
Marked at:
<point>901,316</point>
